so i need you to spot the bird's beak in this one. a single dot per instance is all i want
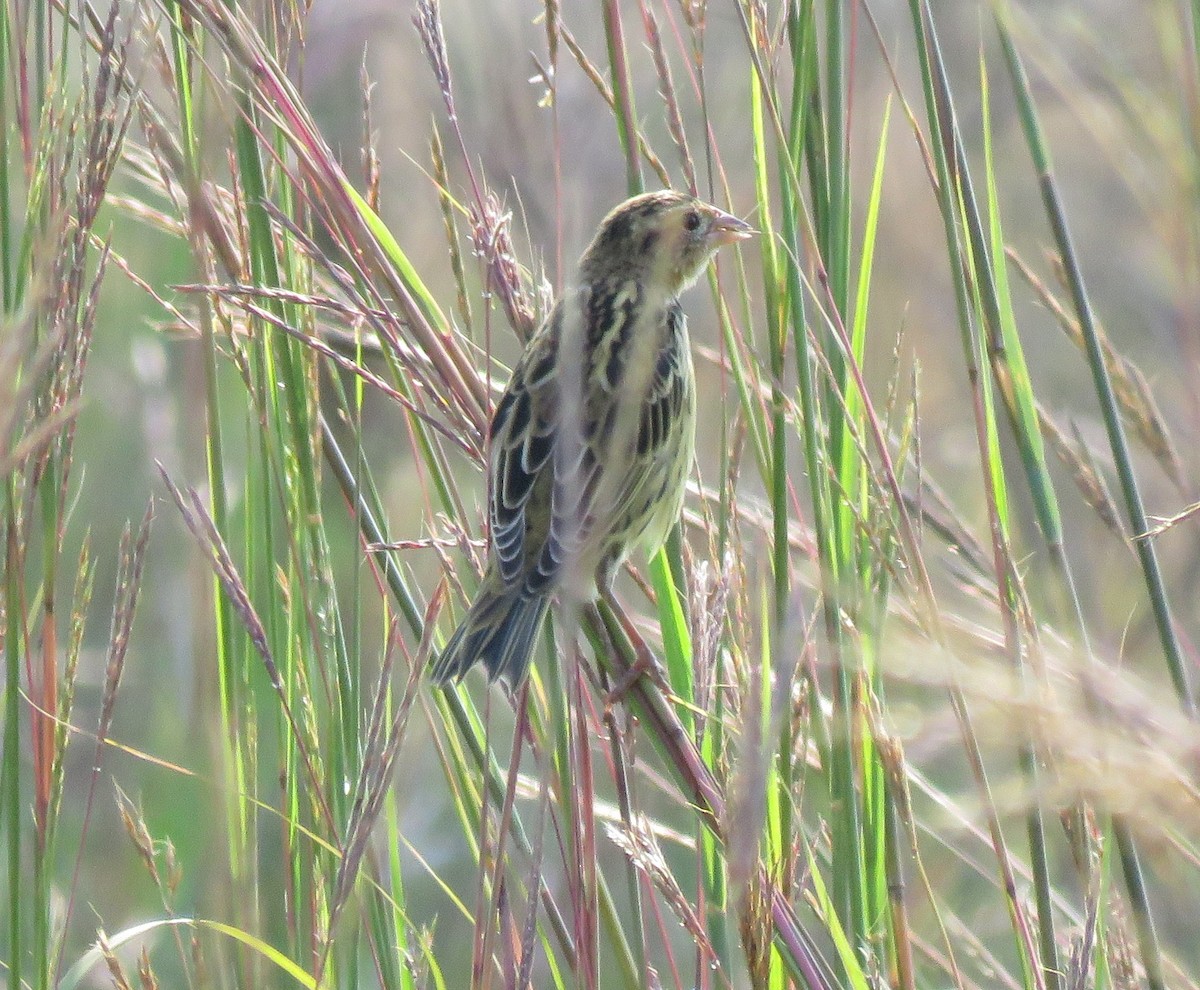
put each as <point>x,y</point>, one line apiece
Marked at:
<point>725,228</point>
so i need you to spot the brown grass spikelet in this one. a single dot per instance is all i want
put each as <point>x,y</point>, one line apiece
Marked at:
<point>135,827</point>
<point>493,244</point>
<point>694,13</point>
<point>1122,966</point>
<point>146,978</point>
<point>1078,460</point>
<point>441,175</point>
<point>666,88</point>
<point>754,929</point>
<point>428,22</point>
<point>174,868</point>
<point>639,844</point>
<point>115,970</point>
<point>1136,397</point>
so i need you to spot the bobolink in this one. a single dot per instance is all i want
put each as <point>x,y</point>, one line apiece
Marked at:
<point>592,441</point>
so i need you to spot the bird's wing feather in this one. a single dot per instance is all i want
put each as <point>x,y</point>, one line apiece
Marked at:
<point>627,432</point>
<point>522,441</point>
<point>532,420</point>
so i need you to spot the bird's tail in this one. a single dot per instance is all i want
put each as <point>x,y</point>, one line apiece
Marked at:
<point>498,631</point>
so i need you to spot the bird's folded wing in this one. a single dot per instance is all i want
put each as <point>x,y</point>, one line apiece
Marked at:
<point>522,440</point>
<point>546,505</point>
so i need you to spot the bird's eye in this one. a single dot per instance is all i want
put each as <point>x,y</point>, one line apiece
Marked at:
<point>692,220</point>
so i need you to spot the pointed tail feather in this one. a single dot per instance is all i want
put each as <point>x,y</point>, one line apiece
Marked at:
<point>498,631</point>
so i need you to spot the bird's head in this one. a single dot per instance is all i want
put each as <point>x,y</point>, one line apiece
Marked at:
<point>664,238</point>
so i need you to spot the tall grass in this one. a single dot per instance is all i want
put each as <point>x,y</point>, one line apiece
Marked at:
<point>712,779</point>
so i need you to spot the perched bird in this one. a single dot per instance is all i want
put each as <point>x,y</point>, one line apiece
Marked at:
<point>591,442</point>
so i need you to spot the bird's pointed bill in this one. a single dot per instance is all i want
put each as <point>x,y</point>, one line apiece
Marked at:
<point>727,229</point>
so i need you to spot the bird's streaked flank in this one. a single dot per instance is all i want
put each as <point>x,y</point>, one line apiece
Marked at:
<point>592,441</point>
